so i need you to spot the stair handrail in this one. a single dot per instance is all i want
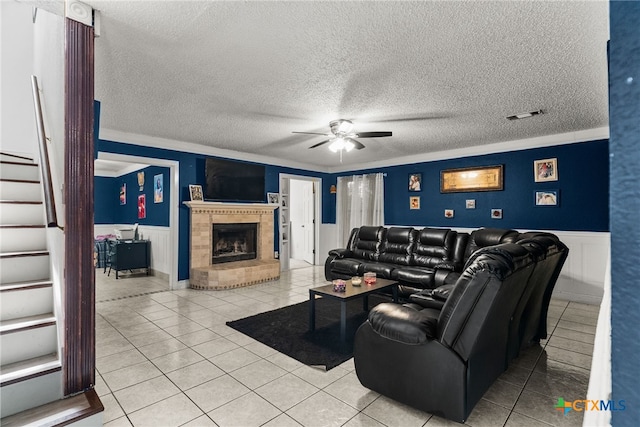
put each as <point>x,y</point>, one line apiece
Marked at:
<point>45,166</point>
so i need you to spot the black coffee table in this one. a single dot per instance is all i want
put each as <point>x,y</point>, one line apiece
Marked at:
<point>350,293</point>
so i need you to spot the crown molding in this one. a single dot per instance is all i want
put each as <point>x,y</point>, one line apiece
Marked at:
<point>479,150</point>
<point>500,147</point>
<point>189,147</point>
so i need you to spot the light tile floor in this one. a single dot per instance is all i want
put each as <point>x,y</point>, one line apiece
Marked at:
<point>168,359</point>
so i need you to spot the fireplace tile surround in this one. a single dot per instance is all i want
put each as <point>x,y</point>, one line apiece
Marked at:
<point>204,274</point>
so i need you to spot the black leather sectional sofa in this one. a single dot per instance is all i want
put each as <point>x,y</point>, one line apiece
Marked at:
<point>442,358</point>
<point>417,259</point>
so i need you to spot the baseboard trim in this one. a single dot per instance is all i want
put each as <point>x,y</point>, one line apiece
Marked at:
<point>58,413</point>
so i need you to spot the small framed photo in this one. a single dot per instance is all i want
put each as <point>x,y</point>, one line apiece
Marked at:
<point>470,204</point>
<point>415,182</point>
<point>449,213</point>
<point>496,213</point>
<point>546,198</point>
<point>195,191</point>
<point>545,170</point>
<point>273,198</point>
<point>414,202</point>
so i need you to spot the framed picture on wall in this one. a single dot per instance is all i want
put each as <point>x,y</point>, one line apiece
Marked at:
<point>158,189</point>
<point>123,193</point>
<point>415,182</point>
<point>414,202</point>
<point>195,192</point>
<point>545,170</point>
<point>546,198</point>
<point>142,207</point>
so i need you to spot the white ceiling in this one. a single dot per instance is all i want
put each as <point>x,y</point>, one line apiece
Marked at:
<point>441,75</point>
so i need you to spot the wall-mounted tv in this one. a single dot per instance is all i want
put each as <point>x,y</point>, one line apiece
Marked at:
<point>232,181</point>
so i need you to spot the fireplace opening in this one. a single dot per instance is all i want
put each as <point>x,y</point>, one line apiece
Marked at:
<point>234,242</point>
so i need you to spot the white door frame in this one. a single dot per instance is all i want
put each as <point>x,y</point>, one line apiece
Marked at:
<point>174,178</point>
<point>317,208</point>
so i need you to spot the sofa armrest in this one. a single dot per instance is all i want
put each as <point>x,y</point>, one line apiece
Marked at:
<point>425,300</point>
<point>340,253</point>
<point>403,324</point>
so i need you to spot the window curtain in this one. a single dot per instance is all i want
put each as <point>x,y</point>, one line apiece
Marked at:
<point>360,201</point>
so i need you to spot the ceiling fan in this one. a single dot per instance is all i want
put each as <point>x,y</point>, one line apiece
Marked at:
<point>342,136</point>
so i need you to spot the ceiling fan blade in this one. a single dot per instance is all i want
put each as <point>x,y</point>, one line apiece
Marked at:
<point>319,143</point>
<point>357,144</point>
<point>314,133</point>
<point>373,134</point>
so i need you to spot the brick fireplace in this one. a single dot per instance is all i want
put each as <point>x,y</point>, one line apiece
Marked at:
<point>228,224</point>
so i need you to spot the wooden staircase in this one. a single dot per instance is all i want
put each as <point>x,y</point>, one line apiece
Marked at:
<point>30,363</point>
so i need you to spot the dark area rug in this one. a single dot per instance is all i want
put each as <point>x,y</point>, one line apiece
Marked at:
<point>287,330</point>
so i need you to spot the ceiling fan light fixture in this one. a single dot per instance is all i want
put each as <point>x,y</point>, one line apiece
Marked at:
<point>339,144</point>
<point>524,115</point>
<point>341,126</point>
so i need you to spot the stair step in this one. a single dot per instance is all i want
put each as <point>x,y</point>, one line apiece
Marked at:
<point>30,394</point>
<point>19,170</point>
<point>25,299</point>
<point>27,369</point>
<point>19,286</point>
<point>22,238</point>
<point>60,413</point>
<point>16,212</point>
<point>9,157</point>
<point>27,337</point>
<point>24,190</point>
<point>24,266</point>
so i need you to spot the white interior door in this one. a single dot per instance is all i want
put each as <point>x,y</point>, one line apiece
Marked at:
<point>308,221</point>
<point>302,220</point>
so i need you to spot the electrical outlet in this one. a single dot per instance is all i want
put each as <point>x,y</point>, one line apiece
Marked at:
<point>276,254</point>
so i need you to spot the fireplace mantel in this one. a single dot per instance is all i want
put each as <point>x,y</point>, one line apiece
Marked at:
<point>204,274</point>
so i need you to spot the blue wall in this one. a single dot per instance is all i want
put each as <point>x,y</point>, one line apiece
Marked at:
<point>583,171</point>
<point>105,210</point>
<point>108,209</point>
<point>624,119</point>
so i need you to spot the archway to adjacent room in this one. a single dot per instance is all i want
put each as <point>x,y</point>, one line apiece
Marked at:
<point>172,238</point>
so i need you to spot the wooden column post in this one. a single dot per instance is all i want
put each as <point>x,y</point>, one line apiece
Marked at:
<point>79,287</point>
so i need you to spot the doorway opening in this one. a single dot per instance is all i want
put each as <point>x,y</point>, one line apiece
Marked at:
<point>300,202</point>
<point>166,239</point>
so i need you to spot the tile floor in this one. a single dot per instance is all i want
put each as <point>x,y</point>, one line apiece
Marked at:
<point>168,359</point>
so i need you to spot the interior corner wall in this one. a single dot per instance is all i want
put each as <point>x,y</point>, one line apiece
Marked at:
<point>17,119</point>
<point>624,117</point>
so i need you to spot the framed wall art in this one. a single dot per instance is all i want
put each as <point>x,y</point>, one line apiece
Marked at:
<point>123,193</point>
<point>485,178</point>
<point>142,207</point>
<point>273,198</point>
<point>546,198</point>
<point>545,170</point>
<point>415,182</point>
<point>195,192</point>
<point>158,189</point>
<point>414,202</point>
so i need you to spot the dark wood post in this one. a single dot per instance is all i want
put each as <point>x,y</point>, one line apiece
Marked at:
<point>79,286</point>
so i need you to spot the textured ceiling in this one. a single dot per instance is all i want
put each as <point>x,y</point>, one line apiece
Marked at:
<point>441,75</point>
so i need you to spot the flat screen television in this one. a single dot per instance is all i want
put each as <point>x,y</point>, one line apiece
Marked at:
<point>232,181</point>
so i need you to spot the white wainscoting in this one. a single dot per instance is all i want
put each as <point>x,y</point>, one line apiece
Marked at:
<point>582,277</point>
<point>158,236</point>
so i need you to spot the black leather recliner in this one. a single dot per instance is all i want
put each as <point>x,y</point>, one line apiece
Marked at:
<point>443,361</point>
